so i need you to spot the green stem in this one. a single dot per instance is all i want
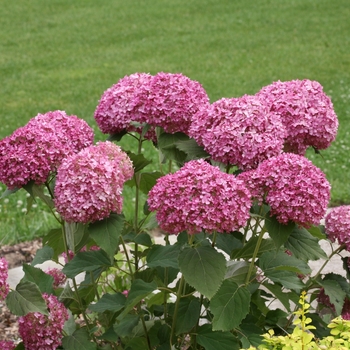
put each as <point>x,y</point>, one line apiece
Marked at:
<point>255,254</point>
<point>127,257</point>
<point>214,239</point>
<point>176,310</point>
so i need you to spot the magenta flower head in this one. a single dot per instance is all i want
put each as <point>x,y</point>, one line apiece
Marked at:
<point>337,224</point>
<point>200,197</point>
<point>89,184</point>
<point>32,152</point>
<point>295,189</point>
<point>239,131</point>
<point>306,111</point>
<point>4,287</point>
<point>43,332</point>
<point>124,103</point>
<point>173,101</point>
<point>59,278</point>
<point>7,345</point>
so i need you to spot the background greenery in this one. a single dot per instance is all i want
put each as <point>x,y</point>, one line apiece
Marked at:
<point>63,54</point>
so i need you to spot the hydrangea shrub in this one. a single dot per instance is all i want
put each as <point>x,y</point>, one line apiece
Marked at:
<point>237,204</point>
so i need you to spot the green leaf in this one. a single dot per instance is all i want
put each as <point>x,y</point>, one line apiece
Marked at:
<point>117,137</point>
<point>336,294</point>
<point>143,239</point>
<point>344,284</point>
<point>25,299</point>
<point>126,325</point>
<point>38,191</point>
<point>106,233</point>
<point>304,246</point>
<point>54,239</point>
<point>79,340</point>
<point>237,271</point>
<point>20,346</point>
<point>44,254</point>
<point>203,268</point>
<point>167,145</point>
<point>248,250</point>
<point>277,231</point>
<point>163,256</point>
<point>110,302</point>
<point>138,161</point>
<point>230,305</point>
<point>86,261</point>
<point>192,149</point>
<point>139,343</point>
<point>276,290</point>
<point>148,180</point>
<point>212,340</point>
<point>188,315</point>
<point>39,277</point>
<point>8,192</point>
<point>139,290</point>
<point>76,235</point>
<point>228,242</point>
<point>251,335</point>
<point>316,232</point>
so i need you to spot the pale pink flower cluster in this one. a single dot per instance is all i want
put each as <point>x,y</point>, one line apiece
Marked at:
<point>4,286</point>
<point>89,184</point>
<point>32,152</point>
<point>295,189</point>
<point>43,332</point>
<point>306,111</point>
<point>7,345</point>
<point>200,197</point>
<point>239,131</point>
<point>167,100</point>
<point>59,278</point>
<point>337,224</point>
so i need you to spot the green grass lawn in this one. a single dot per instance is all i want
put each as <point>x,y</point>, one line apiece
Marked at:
<point>62,54</point>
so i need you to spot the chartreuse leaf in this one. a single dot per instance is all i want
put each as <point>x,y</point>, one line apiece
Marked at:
<point>79,340</point>
<point>203,268</point>
<point>44,254</point>
<point>212,340</point>
<point>188,315</point>
<point>230,305</point>
<point>304,246</point>
<point>277,231</point>
<point>110,302</point>
<point>106,233</point>
<point>163,256</point>
<point>85,262</point>
<point>39,277</point>
<point>335,292</point>
<point>25,299</point>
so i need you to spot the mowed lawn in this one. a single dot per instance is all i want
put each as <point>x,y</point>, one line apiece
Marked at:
<point>62,54</point>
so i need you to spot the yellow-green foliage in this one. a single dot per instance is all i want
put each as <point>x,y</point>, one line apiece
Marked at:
<point>303,339</point>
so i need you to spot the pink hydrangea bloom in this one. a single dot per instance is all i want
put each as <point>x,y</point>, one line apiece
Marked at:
<point>43,332</point>
<point>306,111</point>
<point>7,345</point>
<point>239,131</point>
<point>123,104</point>
<point>337,224</point>
<point>173,101</point>
<point>89,184</point>
<point>200,197</point>
<point>295,189</point>
<point>34,151</point>
<point>59,278</point>
<point>4,287</point>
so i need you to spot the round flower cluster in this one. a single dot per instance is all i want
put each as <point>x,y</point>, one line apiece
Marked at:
<point>200,197</point>
<point>59,278</point>
<point>295,189</point>
<point>7,345</point>
<point>337,224</point>
<point>43,332</point>
<point>123,103</point>
<point>32,152</point>
<point>239,131</point>
<point>306,111</point>
<point>173,101</point>
<point>89,184</point>
<point>166,100</point>
<point>4,287</point>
